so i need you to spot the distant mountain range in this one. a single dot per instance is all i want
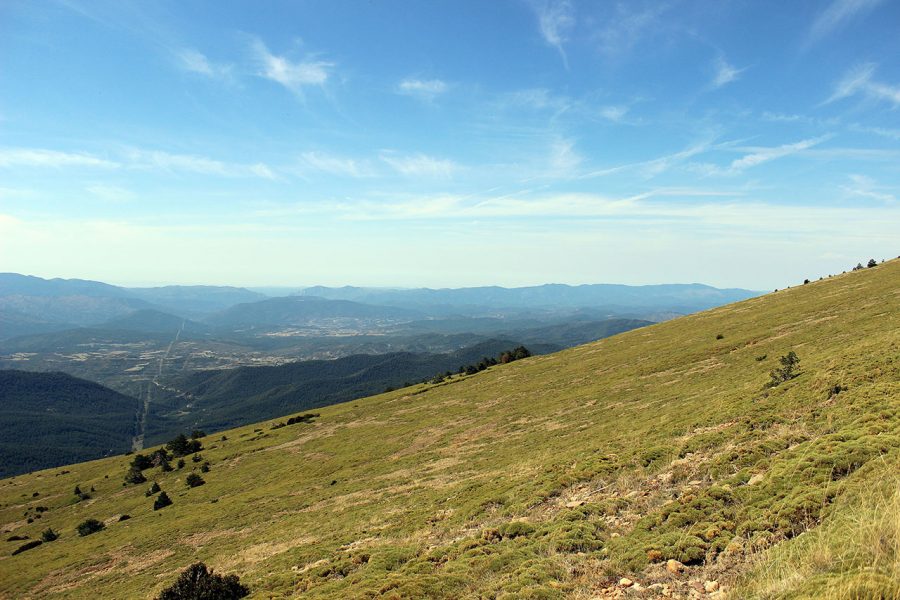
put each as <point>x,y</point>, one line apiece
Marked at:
<point>673,297</point>
<point>32,305</point>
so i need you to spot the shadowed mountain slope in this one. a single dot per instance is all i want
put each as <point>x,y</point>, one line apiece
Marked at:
<point>47,419</point>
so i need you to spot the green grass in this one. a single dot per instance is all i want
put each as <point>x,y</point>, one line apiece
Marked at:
<point>548,477</point>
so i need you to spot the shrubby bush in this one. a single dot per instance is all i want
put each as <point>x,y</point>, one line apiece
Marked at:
<point>199,583</point>
<point>89,526</point>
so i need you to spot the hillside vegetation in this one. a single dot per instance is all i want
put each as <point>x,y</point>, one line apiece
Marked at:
<point>554,476</point>
<point>49,418</point>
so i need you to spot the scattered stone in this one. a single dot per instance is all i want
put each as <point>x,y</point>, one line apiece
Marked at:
<point>695,482</point>
<point>756,479</point>
<point>711,586</point>
<point>575,503</point>
<point>625,582</point>
<point>615,534</point>
<point>674,567</point>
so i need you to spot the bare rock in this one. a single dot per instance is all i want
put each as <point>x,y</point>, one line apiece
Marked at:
<point>711,586</point>
<point>674,567</point>
<point>625,582</point>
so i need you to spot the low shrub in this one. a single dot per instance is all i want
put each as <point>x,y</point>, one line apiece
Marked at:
<point>516,529</point>
<point>48,535</point>
<point>28,546</point>
<point>89,526</point>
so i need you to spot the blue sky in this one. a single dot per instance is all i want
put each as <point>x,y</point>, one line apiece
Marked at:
<point>512,142</point>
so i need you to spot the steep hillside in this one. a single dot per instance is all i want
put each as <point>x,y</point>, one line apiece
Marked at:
<point>549,477</point>
<point>47,419</point>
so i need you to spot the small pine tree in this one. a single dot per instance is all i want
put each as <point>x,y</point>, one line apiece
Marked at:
<point>786,372</point>
<point>162,501</point>
<point>194,480</point>
<point>134,476</point>
<point>197,582</point>
<point>871,263</point>
<point>153,489</point>
<point>48,535</point>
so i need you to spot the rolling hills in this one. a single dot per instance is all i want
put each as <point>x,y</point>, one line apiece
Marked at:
<point>586,474</point>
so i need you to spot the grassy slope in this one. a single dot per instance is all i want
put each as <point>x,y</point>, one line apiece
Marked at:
<point>661,441</point>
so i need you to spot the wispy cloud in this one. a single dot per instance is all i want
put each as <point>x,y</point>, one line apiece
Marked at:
<point>892,134</point>
<point>555,20</point>
<point>838,13</point>
<point>628,25</point>
<point>131,158</point>
<point>110,193</point>
<point>37,157</point>
<point>294,75</point>
<point>759,155</point>
<point>866,187</point>
<point>654,167</point>
<point>425,89</point>
<point>724,72</point>
<point>536,99</point>
<point>196,62</point>
<point>191,163</point>
<point>563,158</point>
<point>614,113</point>
<point>336,165</point>
<point>419,165</point>
<point>858,80</point>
